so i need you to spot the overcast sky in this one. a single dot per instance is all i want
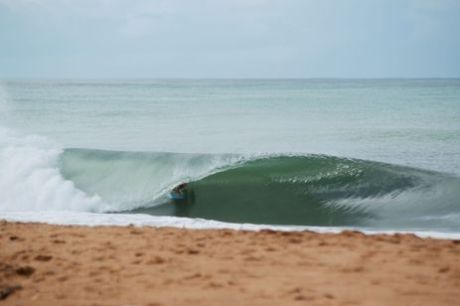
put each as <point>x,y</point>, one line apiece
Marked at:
<point>229,38</point>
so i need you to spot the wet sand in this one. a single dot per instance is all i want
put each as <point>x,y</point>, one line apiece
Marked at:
<point>68,265</point>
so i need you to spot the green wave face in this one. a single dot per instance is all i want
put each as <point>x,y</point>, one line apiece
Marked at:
<point>295,190</point>
<point>288,190</point>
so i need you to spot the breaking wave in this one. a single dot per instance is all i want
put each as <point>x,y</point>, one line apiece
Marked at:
<point>36,175</point>
<point>281,189</point>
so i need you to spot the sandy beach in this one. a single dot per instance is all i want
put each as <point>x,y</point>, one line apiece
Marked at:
<point>67,265</point>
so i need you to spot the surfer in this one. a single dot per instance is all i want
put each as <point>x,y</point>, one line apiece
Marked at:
<point>180,189</point>
<point>179,192</point>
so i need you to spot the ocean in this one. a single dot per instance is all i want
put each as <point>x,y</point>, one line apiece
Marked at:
<point>373,155</point>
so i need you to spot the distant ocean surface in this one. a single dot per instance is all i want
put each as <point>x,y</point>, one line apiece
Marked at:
<point>377,155</point>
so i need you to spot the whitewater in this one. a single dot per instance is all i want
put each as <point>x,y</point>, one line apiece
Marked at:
<point>372,155</point>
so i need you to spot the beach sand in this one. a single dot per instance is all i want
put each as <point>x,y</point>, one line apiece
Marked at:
<point>68,265</point>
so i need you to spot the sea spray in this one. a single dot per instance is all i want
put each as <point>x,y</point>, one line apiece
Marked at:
<point>30,179</point>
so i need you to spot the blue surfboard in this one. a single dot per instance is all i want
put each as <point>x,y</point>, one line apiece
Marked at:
<point>176,196</point>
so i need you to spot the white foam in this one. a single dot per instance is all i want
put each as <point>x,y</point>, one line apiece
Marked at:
<point>98,219</point>
<point>30,179</point>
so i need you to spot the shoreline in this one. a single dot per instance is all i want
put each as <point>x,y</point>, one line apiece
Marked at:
<point>42,264</point>
<point>91,219</point>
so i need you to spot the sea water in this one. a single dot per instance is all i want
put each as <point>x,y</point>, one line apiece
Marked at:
<point>377,155</point>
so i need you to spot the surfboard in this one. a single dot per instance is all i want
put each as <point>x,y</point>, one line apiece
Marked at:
<point>176,196</point>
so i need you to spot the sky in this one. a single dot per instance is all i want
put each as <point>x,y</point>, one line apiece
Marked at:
<point>229,38</point>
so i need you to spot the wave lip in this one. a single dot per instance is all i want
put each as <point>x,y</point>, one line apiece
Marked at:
<point>129,180</point>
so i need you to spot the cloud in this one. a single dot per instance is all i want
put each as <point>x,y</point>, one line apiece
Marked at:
<point>141,17</point>
<point>430,17</point>
<point>435,5</point>
<point>119,8</point>
<point>240,37</point>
